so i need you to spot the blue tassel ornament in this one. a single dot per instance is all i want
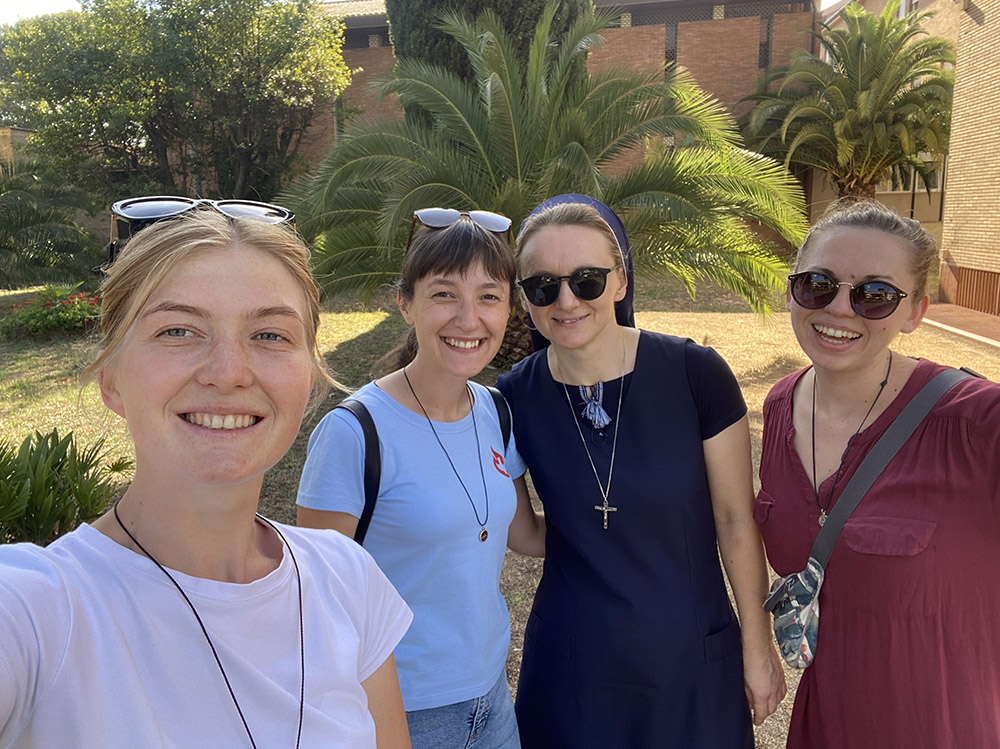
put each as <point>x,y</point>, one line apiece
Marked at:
<point>593,408</point>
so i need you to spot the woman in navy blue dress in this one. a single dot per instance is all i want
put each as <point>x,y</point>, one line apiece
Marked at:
<point>638,446</point>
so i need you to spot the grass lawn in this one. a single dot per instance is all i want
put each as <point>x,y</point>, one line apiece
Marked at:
<point>39,389</point>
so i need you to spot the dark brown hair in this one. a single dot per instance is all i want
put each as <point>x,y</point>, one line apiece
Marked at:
<point>454,249</point>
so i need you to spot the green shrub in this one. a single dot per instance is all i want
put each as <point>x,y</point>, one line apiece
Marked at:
<point>51,311</point>
<point>49,486</point>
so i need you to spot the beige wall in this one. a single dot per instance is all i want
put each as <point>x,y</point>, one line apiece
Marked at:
<point>971,238</point>
<point>11,140</point>
<point>926,209</point>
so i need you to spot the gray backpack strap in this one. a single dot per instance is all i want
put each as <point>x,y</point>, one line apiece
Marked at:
<point>878,458</point>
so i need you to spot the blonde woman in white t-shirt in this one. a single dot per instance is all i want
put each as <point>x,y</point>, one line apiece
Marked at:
<point>181,617</point>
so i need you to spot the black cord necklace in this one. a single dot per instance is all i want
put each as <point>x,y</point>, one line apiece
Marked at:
<point>482,523</point>
<point>204,631</point>
<point>836,477</point>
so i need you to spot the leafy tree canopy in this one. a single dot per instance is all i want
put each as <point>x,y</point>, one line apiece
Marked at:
<point>527,129</point>
<point>182,96</point>
<point>876,101</point>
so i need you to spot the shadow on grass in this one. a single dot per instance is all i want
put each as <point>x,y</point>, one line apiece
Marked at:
<point>351,362</point>
<point>29,369</point>
<point>779,367</point>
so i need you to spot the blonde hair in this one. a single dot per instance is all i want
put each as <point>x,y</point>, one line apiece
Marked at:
<point>149,258</point>
<point>869,214</point>
<point>567,214</point>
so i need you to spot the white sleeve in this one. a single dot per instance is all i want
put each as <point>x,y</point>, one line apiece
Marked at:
<point>386,621</point>
<point>333,476</point>
<point>34,631</point>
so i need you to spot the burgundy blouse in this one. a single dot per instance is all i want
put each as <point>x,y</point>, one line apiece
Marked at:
<point>909,639</point>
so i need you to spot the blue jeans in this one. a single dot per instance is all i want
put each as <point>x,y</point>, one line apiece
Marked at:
<point>486,722</point>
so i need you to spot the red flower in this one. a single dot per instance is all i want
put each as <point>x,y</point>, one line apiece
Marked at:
<point>48,305</point>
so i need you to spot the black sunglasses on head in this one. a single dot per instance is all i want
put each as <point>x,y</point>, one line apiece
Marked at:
<point>872,300</point>
<point>442,218</point>
<point>585,283</point>
<point>131,216</point>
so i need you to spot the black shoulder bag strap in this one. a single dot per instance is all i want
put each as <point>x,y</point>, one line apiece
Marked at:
<point>878,458</point>
<point>373,463</point>
<point>373,454</point>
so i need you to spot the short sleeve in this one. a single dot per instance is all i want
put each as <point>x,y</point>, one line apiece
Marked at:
<point>714,388</point>
<point>513,463</point>
<point>386,621</point>
<point>34,631</point>
<point>333,476</point>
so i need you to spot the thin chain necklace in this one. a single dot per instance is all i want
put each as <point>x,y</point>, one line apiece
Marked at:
<point>483,534</point>
<point>204,631</point>
<point>605,490</point>
<point>836,477</point>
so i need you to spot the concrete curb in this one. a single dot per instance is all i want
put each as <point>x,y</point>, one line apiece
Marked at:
<point>963,333</point>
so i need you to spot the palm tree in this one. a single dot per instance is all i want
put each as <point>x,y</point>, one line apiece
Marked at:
<point>39,242</point>
<point>875,101</point>
<point>524,131</point>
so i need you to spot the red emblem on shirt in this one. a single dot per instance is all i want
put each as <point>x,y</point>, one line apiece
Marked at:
<point>498,463</point>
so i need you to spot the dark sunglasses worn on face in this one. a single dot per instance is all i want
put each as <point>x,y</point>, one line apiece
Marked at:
<point>131,216</point>
<point>585,283</point>
<point>442,218</point>
<point>872,300</point>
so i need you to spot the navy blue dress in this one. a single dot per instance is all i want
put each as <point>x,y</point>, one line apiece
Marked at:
<point>631,641</point>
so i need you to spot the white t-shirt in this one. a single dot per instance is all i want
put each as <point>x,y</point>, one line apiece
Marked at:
<point>98,649</point>
<point>424,533</point>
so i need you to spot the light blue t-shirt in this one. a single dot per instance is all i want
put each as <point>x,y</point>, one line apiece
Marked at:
<point>425,536</point>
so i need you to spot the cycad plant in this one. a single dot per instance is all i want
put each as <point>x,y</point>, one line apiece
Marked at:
<point>50,484</point>
<point>876,101</point>
<point>526,130</point>
<point>39,241</point>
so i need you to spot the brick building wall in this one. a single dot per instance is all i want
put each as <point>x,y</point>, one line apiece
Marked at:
<point>946,21</point>
<point>789,34</point>
<point>723,56</point>
<point>722,52</point>
<point>642,46</point>
<point>359,102</point>
<point>970,271</point>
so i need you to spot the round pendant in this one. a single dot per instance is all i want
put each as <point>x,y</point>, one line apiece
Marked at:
<point>484,535</point>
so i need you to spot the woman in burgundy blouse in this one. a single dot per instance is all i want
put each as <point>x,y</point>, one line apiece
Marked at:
<point>908,650</point>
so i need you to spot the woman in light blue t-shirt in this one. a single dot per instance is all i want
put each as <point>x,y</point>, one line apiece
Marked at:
<point>451,496</point>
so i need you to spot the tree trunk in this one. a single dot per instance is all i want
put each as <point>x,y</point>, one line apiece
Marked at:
<point>516,343</point>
